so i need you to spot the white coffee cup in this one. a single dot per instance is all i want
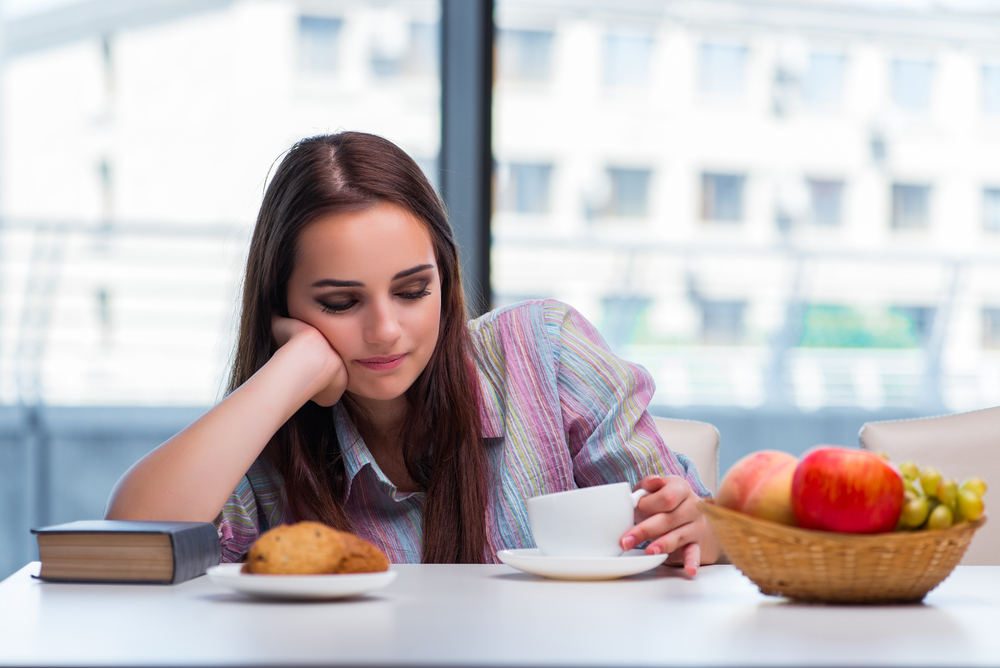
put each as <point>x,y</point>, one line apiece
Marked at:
<point>585,522</point>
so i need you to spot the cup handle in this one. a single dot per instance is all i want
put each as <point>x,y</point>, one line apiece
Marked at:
<point>636,495</point>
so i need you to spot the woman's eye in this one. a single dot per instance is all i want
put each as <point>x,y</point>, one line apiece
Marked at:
<point>338,307</point>
<point>414,295</point>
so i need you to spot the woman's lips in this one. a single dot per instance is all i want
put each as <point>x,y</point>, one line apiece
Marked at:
<point>382,363</point>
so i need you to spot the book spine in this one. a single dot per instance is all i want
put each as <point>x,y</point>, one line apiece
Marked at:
<point>195,550</point>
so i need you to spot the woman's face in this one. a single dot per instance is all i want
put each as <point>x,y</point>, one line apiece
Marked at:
<point>368,280</point>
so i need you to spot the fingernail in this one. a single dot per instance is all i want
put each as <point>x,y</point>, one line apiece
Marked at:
<point>655,549</point>
<point>628,542</point>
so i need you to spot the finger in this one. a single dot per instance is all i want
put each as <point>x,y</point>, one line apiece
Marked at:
<point>692,558</point>
<point>651,483</point>
<point>675,539</point>
<point>660,524</point>
<point>667,498</point>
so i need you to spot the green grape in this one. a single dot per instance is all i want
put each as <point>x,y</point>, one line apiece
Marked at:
<point>912,487</point>
<point>915,512</point>
<point>940,517</point>
<point>977,485</point>
<point>909,470</point>
<point>929,479</point>
<point>970,505</point>
<point>947,491</point>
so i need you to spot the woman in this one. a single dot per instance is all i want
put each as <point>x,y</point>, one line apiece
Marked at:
<point>361,397</point>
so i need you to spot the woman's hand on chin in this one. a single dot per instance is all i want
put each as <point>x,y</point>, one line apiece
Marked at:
<point>669,518</point>
<point>329,382</point>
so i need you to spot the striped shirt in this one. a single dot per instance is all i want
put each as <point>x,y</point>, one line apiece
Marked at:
<point>559,411</point>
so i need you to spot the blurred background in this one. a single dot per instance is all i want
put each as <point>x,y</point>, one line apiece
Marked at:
<point>787,210</point>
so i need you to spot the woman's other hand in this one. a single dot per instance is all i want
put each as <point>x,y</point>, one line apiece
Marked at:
<point>669,518</point>
<point>330,383</point>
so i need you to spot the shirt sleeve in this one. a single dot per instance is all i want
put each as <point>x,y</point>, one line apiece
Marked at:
<point>604,401</point>
<point>237,524</point>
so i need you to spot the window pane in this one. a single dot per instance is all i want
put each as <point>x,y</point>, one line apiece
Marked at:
<point>910,207</point>
<point>722,197</point>
<point>319,40</point>
<point>525,55</point>
<point>629,192</point>
<point>911,84</point>
<point>722,69</point>
<point>991,89</point>
<point>991,328</point>
<point>823,80</point>
<point>627,60</point>
<point>991,209</point>
<point>825,199</point>
<point>525,187</point>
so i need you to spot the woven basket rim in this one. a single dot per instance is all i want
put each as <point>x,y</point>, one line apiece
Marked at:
<point>709,507</point>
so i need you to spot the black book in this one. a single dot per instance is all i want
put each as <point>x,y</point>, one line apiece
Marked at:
<point>125,551</point>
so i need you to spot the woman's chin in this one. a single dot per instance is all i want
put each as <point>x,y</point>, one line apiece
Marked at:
<point>378,395</point>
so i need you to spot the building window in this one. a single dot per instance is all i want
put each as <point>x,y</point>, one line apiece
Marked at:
<point>629,192</point>
<point>991,328</point>
<point>722,69</point>
<point>319,39</point>
<point>991,209</point>
<point>722,322</point>
<point>626,60</point>
<point>524,187</point>
<point>991,89</point>
<point>911,84</point>
<point>825,201</point>
<point>722,197</point>
<point>823,80</point>
<point>525,55</point>
<point>910,207</point>
<point>405,48</point>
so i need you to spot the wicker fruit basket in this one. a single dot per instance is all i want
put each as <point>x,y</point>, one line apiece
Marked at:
<point>838,568</point>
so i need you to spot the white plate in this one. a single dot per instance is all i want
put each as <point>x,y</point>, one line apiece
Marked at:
<point>299,586</point>
<point>580,568</point>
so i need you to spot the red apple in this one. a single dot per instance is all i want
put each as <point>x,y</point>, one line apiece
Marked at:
<point>848,491</point>
<point>760,484</point>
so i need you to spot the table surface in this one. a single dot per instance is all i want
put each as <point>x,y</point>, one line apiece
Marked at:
<point>492,615</point>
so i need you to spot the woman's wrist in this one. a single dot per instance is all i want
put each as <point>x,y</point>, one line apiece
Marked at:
<point>306,365</point>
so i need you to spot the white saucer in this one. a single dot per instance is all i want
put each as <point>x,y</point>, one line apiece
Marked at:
<point>313,587</point>
<point>580,568</point>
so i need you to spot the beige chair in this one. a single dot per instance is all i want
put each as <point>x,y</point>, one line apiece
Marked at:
<point>699,441</point>
<point>961,446</point>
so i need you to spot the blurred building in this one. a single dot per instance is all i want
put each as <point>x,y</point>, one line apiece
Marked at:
<point>137,140</point>
<point>766,203</point>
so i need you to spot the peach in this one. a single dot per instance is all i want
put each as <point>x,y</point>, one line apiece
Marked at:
<point>771,497</point>
<point>743,476</point>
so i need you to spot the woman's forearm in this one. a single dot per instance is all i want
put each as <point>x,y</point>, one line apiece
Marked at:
<point>190,477</point>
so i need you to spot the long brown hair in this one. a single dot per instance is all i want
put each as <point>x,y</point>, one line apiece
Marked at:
<point>442,439</point>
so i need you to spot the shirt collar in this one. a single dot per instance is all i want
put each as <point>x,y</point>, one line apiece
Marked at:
<point>357,456</point>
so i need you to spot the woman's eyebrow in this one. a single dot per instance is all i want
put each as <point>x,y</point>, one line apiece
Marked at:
<point>337,283</point>
<point>334,283</point>
<point>411,271</point>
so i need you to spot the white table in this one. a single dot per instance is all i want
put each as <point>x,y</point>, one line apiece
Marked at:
<point>494,616</point>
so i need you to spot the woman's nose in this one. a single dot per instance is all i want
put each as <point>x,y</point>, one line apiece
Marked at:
<point>382,326</point>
